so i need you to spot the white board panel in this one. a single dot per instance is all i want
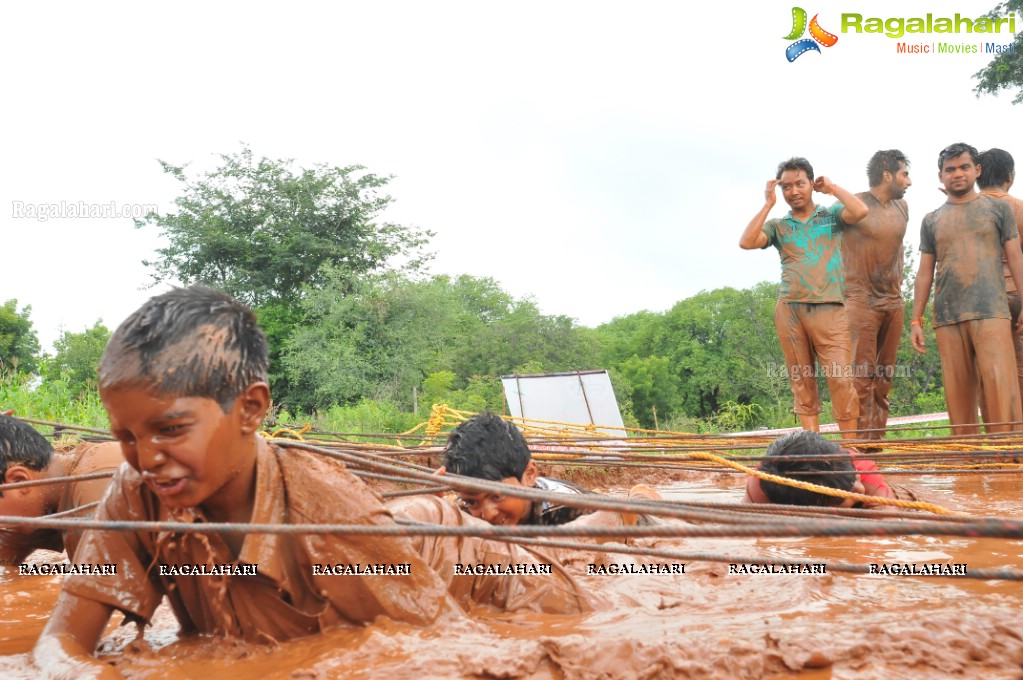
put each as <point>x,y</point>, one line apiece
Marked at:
<point>583,397</point>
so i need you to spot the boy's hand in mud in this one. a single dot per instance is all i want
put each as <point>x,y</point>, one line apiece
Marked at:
<point>916,336</point>
<point>824,185</point>
<point>770,196</point>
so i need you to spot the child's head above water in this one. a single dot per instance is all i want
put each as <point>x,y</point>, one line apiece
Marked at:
<point>21,446</point>
<point>189,342</point>
<point>827,456</point>
<point>183,380</point>
<point>489,447</point>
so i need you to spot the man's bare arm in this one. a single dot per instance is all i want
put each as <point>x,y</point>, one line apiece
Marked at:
<point>853,210</point>
<point>754,237</point>
<point>1014,258</point>
<point>921,291</point>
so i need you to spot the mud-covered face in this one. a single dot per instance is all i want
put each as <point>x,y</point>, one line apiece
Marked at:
<point>796,189</point>
<point>959,174</point>
<point>496,508</point>
<point>186,448</point>
<point>900,181</point>
<point>500,509</point>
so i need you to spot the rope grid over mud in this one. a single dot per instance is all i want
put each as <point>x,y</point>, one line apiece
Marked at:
<point>933,455</point>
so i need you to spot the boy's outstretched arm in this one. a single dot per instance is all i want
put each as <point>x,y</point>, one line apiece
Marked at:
<point>65,647</point>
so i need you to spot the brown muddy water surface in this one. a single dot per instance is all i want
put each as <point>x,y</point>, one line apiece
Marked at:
<point>705,623</point>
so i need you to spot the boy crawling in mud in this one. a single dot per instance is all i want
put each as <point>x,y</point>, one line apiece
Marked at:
<point>26,456</point>
<point>184,382</point>
<point>488,447</point>
<point>802,456</point>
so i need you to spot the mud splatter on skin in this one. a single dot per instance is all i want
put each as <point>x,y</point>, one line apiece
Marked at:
<point>705,624</point>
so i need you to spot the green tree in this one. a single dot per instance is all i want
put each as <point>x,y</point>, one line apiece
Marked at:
<point>19,344</point>
<point>1005,71</point>
<point>724,348</point>
<point>77,357</point>
<point>261,229</point>
<point>652,385</point>
<point>720,347</point>
<point>378,341</point>
<point>392,331</point>
<point>265,231</point>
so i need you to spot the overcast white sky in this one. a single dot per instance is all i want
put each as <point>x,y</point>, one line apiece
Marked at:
<point>602,157</point>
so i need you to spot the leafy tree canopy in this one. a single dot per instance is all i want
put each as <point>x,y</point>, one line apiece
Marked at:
<point>1006,70</point>
<point>19,344</point>
<point>262,229</point>
<point>77,357</point>
<point>391,332</point>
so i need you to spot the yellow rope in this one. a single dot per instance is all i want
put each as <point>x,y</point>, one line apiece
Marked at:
<point>289,433</point>
<point>826,490</point>
<point>443,416</point>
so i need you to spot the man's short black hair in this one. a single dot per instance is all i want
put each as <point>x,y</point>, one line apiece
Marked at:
<point>957,149</point>
<point>21,444</point>
<point>827,456</point>
<point>795,163</point>
<point>487,447</point>
<point>188,342</point>
<point>884,161</point>
<point>996,165</point>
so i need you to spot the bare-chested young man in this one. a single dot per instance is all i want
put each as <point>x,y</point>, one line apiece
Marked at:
<point>810,315</point>
<point>872,252</point>
<point>998,172</point>
<point>965,240</point>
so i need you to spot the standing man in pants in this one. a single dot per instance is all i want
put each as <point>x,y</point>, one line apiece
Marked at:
<point>966,238</point>
<point>872,252</point>
<point>810,315</point>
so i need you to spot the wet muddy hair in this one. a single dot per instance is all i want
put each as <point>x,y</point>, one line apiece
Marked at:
<point>957,149</point>
<point>795,163</point>
<point>21,444</point>
<point>487,447</point>
<point>827,455</point>
<point>884,161</point>
<point>996,168</point>
<point>189,342</point>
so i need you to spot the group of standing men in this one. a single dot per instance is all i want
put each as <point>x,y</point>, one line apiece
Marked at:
<point>840,302</point>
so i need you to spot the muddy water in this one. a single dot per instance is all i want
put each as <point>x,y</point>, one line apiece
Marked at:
<point>706,623</point>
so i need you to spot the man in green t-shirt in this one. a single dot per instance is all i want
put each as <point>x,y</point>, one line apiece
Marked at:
<point>810,315</point>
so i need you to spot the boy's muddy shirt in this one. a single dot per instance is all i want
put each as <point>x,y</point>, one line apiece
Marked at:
<point>811,255</point>
<point>967,242</point>
<point>550,513</point>
<point>285,599</point>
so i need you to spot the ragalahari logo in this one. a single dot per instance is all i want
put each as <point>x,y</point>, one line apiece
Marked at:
<point>819,35</point>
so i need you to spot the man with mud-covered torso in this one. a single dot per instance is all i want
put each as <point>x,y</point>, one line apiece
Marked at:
<point>872,253</point>
<point>998,173</point>
<point>965,240</point>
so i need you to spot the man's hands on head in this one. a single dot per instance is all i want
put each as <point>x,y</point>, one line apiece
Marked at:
<point>824,185</point>
<point>770,196</point>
